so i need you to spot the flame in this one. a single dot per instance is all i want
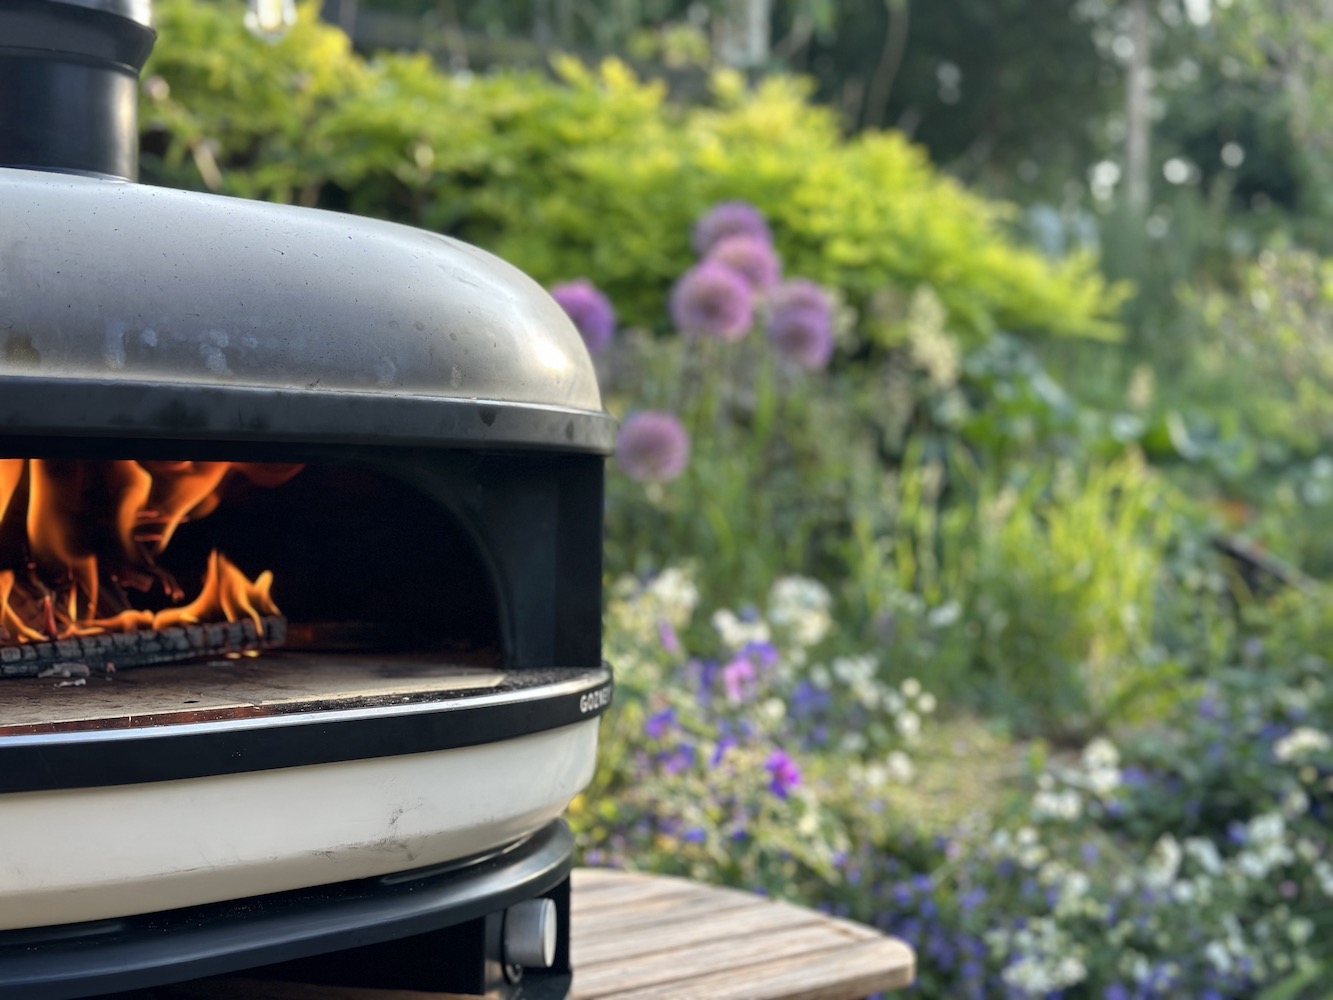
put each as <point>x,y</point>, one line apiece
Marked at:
<point>11,473</point>
<point>124,514</point>
<point>226,590</point>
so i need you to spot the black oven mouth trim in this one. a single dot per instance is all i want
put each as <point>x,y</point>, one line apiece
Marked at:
<point>530,702</point>
<point>182,411</point>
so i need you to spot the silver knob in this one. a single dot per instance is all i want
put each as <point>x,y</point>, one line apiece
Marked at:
<point>529,933</point>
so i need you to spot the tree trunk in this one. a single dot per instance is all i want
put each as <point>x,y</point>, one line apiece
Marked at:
<point>1138,127</point>
<point>743,35</point>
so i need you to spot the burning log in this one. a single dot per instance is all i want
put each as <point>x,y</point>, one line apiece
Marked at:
<point>112,651</point>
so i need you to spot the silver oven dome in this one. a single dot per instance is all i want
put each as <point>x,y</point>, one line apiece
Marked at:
<point>185,313</point>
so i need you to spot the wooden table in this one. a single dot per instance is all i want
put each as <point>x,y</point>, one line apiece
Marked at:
<point>650,937</point>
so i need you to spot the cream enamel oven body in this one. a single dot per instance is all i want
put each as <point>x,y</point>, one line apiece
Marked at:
<point>179,836</point>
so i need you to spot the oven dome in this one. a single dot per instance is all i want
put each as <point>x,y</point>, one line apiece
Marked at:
<point>198,315</point>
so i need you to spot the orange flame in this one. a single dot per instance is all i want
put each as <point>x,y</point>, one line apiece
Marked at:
<point>11,472</point>
<point>124,513</point>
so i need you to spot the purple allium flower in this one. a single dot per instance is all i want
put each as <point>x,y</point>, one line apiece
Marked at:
<point>801,325</point>
<point>729,218</point>
<point>653,447</point>
<point>752,258</point>
<point>591,311</point>
<point>784,772</point>
<point>712,300</point>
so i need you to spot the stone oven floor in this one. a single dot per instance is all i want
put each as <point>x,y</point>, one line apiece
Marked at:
<point>276,683</point>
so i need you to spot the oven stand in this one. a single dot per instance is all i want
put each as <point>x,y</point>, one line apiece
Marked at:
<point>438,929</point>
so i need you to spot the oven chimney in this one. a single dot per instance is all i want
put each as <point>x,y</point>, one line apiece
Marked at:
<point>69,75</point>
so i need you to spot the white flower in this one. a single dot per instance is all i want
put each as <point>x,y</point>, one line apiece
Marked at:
<point>926,703</point>
<point>911,687</point>
<point>1101,754</point>
<point>1301,743</point>
<point>900,766</point>
<point>909,725</point>
<point>1295,804</point>
<point>1323,871</point>
<point>1164,864</point>
<point>676,592</point>
<point>853,743</point>
<point>1300,930</point>
<point>737,634</point>
<point>1267,828</point>
<point>801,606</point>
<point>1061,805</point>
<point>945,615</point>
<point>1218,956</point>
<point>1204,852</point>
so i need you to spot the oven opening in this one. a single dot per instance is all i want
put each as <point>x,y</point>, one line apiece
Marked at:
<point>159,592</point>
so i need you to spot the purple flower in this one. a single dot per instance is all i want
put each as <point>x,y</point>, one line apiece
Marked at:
<point>712,300</point>
<point>763,654</point>
<point>670,640</point>
<point>752,258</point>
<point>657,725</point>
<point>591,311</point>
<point>729,218</point>
<point>738,679</point>
<point>653,447</point>
<point>679,761</point>
<point>801,324</point>
<point>784,774</point>
<point>724,745</point>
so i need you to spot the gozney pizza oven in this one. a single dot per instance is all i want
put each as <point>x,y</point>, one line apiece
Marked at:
<point>300,569</point>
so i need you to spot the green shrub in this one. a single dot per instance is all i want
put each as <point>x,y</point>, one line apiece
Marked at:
<point>1033,600</point>
<point>591,174</point>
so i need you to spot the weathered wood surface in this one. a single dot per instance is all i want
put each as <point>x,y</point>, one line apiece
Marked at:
<point>646,937</point>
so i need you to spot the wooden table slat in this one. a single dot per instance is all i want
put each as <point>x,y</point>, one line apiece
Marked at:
<point>653,912</point>
<point>665,968</point>
<point>722,926</point>
<point>844,973</point>
<point>613,896</point>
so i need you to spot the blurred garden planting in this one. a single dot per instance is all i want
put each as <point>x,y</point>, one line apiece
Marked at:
<point>970,588</point>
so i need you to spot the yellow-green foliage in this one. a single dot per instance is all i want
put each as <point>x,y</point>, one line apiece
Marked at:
<point>1057,580</point>
<point>593,173</point>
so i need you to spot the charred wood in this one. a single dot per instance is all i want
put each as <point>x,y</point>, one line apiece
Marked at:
<point>113,651</point>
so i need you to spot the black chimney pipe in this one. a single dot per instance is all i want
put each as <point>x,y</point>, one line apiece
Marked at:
<point>69,75</point>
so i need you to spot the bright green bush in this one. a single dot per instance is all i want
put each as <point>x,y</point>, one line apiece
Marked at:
<point>592,174</point>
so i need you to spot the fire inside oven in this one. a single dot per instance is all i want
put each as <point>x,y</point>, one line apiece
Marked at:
<point>274,578</point>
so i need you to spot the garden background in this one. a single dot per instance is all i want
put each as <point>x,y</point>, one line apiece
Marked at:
<point>967,554</point>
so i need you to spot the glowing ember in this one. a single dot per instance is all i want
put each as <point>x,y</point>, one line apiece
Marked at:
<point>93,532</point>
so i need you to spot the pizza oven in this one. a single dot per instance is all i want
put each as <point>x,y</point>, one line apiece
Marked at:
<point>300,572</point>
